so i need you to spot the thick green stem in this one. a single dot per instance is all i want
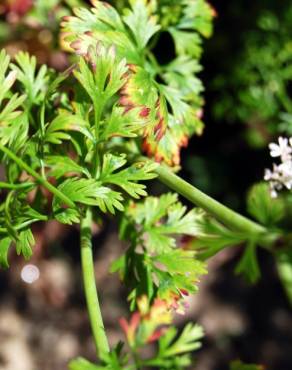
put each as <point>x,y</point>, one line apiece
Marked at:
<point>38,177</point>
<point>216,209</point>
<point>101,342</point>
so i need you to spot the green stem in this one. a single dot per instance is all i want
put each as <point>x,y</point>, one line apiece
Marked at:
<point>6,185</point>
<point>97,326</point>
<point>218,210</point>
<point>3,230</point>
<point>98,108</point>
<point>38,177</point>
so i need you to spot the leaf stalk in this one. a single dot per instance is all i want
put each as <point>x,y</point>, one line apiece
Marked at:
<point>224,214</point>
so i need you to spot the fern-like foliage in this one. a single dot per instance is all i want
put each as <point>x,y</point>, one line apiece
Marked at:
<point>151,87</point>
<point>96,172</point>
<point>71,144</point>
<point>154,264</point>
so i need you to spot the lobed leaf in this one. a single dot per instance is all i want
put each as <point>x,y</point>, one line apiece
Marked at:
<point>24,243</point>
<point>5,243</point>
<point>141,23</point>
<point>126,178</point>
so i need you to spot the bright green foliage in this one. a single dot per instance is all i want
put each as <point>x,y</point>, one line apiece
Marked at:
<point>13,123</point>
<point>153,264</point>
<point>85,147</point>
<point>122,124</point>
<point>135,35</point>
<point>187,341</point>
<point>81,147</point>
<point>24,243</point>
<point>85,128</point>
<point>141,22</point>
<point>162,218</point>
<point>58,130</point>
<point>126,178</point>
<point>33,83</point>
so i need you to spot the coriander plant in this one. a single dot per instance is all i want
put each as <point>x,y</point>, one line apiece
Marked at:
<point>80,144</point>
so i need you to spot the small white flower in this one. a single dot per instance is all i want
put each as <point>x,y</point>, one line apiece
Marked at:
<point>281,175</point>
<point>282,149</point>
<point>30,273</point>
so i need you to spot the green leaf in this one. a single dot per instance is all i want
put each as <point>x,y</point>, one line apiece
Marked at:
<point>142,24</point>
<point>162,218</point>
<point>14,132</point>
<point>141,91</point>
<point>186,43</point>
<point>59,129</point>
<point>100,24</point>
<point>248,264</point>
<point>67,216</point>
<point>13,124</point>
<point>197,15</point>
<point>177,273</point>
<point>126,178</point>
<point>90,192</point>
<point>4,247</point>
<point>165,132</point>
<point>5,81</point>
<point>188,341</point>
<point>105,74</point>
<point>61,165</point>
<point>34,83</point>
<point>102,17</point>
<point>152,265</point>
<point>123,124</point>
<point>165,142</point>
<point>24,243</point>
<point>263,207</point>
<point>84,191</point>
<point>180,75</point>
<point>181,262</point>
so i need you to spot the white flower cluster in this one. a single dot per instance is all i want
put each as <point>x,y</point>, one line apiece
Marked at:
<point>281,175</point>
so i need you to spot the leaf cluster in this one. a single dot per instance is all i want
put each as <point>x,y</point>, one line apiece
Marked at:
<point>154,264</point>
<point>146,326</point>
<point>169,95</point>
<point>69,146</point>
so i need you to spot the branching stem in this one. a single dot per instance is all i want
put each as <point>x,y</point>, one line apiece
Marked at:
<point>38,177</point>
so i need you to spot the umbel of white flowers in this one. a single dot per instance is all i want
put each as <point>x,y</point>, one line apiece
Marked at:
<point>281,175</point>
